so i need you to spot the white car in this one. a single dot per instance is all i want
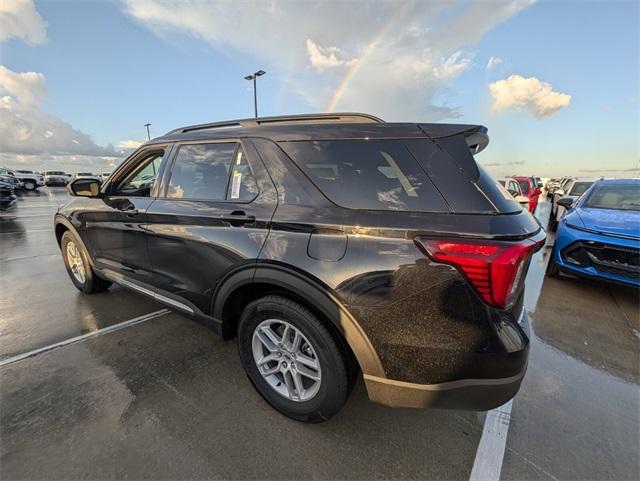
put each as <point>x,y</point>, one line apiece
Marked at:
<point>29,180</point>
<point>512,187</point>
<point>85,175</point>
<point>573,189</point>
<point>56,177</point>
<point>104,176</point>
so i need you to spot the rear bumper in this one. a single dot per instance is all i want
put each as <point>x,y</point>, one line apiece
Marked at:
<point>466,394</point>
<point>483,390</point>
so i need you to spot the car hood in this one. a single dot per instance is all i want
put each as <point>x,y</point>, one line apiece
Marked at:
<point>609,221</point>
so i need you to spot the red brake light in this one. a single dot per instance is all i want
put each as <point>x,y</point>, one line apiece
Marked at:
<point>494,268</point>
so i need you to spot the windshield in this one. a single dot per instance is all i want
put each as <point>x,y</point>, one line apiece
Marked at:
<point>54,172</point>
<point>524,186</point>
<point>620,197</point>
<point>84,173</point>
<point>580,188</point>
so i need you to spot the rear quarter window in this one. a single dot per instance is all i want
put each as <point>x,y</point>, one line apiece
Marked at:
<point>367,174</point>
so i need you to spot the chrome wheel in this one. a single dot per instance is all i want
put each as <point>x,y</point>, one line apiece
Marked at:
<point>286,360</point>
<point>76,264</point>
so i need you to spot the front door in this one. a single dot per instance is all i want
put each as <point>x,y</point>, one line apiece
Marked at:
<point>212,218</point>
<point>115,229</point>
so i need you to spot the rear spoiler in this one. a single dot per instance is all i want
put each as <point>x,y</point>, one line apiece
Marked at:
<point>475,135</point>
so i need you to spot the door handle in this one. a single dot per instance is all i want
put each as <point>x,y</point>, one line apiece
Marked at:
<point>239,217</point>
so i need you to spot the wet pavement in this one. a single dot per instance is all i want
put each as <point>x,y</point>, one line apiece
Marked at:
<point>167,399</point>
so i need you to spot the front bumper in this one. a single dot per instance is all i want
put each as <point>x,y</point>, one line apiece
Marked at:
<point>474,394</point>
<point>597,256</point>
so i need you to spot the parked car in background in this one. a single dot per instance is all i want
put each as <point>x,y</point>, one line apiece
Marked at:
<point>574,188</point>
<point>56,177</point>
<point>85,175</point>
<point>104,176</point>
<point>529,188</point>
<point>30,181</point>
<point>13,180</point>
<point>512,186</point>
<point>327,245</point>
<point>599,237</point>
<point>7,195</point>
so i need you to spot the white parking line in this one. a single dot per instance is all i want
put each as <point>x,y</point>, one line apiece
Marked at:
<point>73,340</point>
<point>490,453</point>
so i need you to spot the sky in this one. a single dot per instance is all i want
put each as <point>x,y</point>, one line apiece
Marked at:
<point>555,82</point>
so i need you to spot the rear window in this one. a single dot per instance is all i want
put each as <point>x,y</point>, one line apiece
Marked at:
<point>620,197</point>
<point>367,174</point>
<point>580,188</point>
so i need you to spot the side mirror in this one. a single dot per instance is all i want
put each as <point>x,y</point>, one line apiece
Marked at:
<point>565,202</point>
<point>84,188</point>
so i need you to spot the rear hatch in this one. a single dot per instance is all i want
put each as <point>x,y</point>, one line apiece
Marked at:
<point>426,187</point>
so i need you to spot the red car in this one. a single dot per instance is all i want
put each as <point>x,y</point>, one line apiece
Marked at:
<point>530,190</point>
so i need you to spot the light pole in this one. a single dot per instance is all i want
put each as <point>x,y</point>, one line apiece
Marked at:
<point>148,134</point>
<point>253,77</point>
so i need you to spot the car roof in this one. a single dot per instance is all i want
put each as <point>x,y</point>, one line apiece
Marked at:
<point>629,181</point>
<point>321,127</point>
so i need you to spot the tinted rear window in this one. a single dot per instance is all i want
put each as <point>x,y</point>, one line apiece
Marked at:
<point>524,186</point>
<point>367,174</point>
<point>580,188</point>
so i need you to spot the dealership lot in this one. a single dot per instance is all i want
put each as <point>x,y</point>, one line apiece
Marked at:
<point>167,399</point>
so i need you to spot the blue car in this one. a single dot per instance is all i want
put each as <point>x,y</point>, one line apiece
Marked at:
<point>599,236</point>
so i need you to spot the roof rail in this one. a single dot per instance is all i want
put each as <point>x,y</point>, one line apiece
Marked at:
<point>351,117</point>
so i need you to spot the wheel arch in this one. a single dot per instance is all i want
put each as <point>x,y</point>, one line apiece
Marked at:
<point>252,283</point>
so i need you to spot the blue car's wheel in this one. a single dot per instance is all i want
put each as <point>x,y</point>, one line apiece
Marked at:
<point>552,268</point>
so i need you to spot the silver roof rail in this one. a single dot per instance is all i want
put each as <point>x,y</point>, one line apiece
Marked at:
<point>348,117</point>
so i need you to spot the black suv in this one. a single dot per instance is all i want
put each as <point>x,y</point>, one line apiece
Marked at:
<point>329,245</point>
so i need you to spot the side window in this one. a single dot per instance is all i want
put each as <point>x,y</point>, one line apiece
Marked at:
<point>211,172</point>
<point>242,186</point>
<point>140,182</point>
<point>367,174</point>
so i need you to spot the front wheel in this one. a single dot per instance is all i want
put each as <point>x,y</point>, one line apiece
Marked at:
<point>294,361</point>
<point>30,185</point>
<point>78,267</point>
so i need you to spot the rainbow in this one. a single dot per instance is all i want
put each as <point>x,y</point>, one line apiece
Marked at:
<point>397,16</point>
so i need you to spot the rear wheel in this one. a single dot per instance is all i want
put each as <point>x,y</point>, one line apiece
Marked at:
<point>296,364</point>
<point>30,185</point>
<point>78,267</point>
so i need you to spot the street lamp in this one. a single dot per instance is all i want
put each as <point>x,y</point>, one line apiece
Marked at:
<point>148,134</point>
<point>253,77</point>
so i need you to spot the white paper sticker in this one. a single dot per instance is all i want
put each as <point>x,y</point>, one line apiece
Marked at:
<point>235,185</point>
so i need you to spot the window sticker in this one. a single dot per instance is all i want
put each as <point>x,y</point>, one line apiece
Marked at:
<point>235,185</point>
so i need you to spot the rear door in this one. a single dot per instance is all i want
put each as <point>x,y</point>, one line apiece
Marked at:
<point>213,217</point>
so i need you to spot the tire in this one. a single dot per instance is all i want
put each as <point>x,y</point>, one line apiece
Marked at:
<point>552,268</point>
<point>30,185</point>
<point>88,282</point>
<point>325,396</point>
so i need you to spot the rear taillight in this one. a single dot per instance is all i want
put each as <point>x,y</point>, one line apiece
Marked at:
<point>494,268</point>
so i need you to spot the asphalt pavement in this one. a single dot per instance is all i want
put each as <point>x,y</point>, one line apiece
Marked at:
<point>167,399</point>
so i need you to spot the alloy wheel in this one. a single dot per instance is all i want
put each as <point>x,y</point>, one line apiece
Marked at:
<point>286,360</point>
<point>76,264</point>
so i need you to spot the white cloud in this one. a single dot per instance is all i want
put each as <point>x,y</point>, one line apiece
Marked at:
<point>493,61</point>
<point>28,130</point>
<point>403,55</point>
<point>19,19</point>
<point>326,57</point>
<point>129,144</point>
<point>529,94</point>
